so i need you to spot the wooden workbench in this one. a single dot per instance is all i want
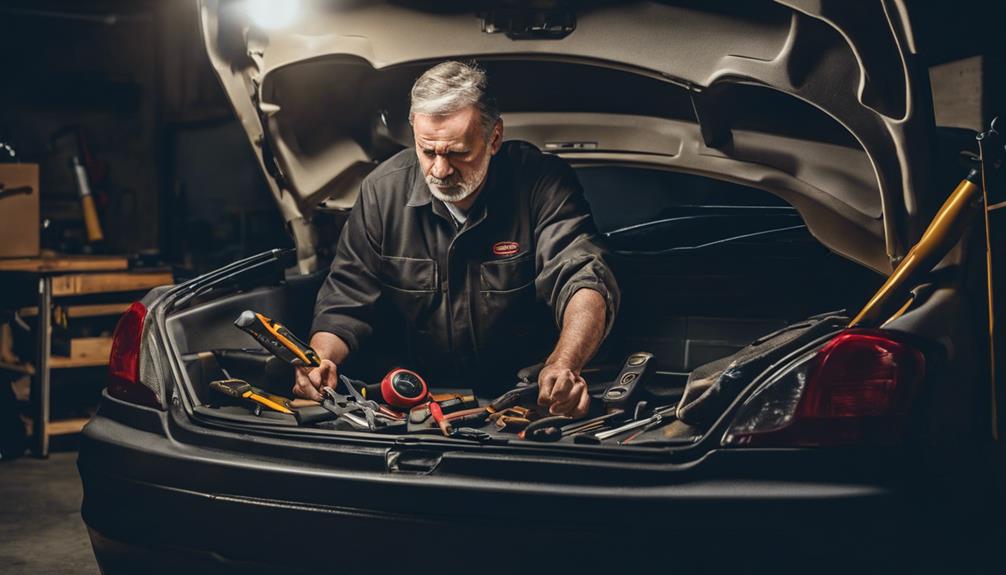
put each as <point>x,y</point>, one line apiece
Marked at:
<point>32,284</point>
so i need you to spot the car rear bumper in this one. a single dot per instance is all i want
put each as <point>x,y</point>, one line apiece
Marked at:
<point>154,504</point>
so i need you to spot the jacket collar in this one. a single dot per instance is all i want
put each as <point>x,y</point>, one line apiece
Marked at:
<point>420,194</point>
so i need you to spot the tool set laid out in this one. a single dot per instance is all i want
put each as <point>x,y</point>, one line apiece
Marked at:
<point>402,402</point>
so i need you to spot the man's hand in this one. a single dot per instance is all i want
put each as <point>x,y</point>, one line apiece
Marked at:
<point>563,391</point>
<point>310,380</point>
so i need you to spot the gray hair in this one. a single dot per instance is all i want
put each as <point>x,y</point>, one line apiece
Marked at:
<point>451,86</point>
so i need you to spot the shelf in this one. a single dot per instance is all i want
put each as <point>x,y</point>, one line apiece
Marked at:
<point>81,284</point>
<point>65,263</point>
<point>68,362</point>
<point>67,426</point>
<point>95,310</point>
<point>57,362</point>
<point>78,311</point>
<point>32,282</point>
<point>84,352</point>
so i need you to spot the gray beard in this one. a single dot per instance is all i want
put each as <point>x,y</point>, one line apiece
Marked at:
<point>458,191</point>
<point>452,193</point>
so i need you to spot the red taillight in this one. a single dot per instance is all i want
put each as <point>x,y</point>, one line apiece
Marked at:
<point>124,360</point>
<point>861,374</point>
<point>857,389</point>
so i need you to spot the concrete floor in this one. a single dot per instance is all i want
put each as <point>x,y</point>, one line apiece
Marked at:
<point>41,531</point>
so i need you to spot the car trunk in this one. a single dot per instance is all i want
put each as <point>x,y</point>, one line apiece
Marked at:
<point>701,277</point>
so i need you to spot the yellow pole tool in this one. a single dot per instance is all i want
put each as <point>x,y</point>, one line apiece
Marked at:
<point>941,235</point>
<point>91,222</point>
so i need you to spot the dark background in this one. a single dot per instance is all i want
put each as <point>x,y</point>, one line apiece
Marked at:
<point>131,79</point>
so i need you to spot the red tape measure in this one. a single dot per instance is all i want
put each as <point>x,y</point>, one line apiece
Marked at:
<point>404,388</point>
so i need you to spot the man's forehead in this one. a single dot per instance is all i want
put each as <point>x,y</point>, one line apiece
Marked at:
<point>445,129</point>
<point>440,146</point>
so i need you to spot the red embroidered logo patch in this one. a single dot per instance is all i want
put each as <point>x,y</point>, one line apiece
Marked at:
<point>505,248</point>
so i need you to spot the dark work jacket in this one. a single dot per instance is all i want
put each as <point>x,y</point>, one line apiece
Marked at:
<point>478,301</point>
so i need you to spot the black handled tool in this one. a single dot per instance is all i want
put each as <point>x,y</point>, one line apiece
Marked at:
<point>276,338</point>
<point>545,429</point>
<point>626,386</point>
<point>519,395</point>
<point>555,428</point>
<point>525,392</point>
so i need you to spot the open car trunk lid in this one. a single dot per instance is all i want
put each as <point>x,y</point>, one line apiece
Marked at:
<point>325,98</point>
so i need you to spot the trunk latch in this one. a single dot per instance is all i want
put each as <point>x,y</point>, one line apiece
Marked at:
<point>413,461</point>
<point>530,24</point>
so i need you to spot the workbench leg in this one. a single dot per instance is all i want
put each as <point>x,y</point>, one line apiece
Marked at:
<point>40,382</point>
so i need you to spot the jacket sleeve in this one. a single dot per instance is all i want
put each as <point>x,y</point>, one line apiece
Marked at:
<point>568,256</point>
<point>346,301</point>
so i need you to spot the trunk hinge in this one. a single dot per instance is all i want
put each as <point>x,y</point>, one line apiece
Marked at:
<point>714,128</point>
<point>305,238</point>
<point>256,53</point>
<point>262,141</point>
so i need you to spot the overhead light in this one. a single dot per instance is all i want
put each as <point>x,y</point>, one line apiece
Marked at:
<point>272,14</point>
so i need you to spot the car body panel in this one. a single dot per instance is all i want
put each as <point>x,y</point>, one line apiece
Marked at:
<point>222,500</point>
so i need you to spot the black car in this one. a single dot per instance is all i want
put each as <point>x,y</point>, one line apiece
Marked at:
<point>757,169</point>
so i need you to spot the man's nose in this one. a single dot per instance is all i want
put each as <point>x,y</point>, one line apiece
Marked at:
<point>441,167</point>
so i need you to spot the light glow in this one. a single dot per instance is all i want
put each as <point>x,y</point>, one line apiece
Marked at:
<point>273,14</point>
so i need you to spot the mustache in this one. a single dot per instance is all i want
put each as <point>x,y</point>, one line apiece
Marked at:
<point>448,181</point>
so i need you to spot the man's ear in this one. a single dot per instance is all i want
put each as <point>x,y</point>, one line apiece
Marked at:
<point>496,140</point>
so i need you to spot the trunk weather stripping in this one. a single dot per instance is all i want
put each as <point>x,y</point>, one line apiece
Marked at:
<point>230,273</point>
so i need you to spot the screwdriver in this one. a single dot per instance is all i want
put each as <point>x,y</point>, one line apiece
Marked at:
<point>276,338</point>
<point>241,389</point>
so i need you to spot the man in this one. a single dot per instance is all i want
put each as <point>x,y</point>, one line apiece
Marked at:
<point>470,241</point>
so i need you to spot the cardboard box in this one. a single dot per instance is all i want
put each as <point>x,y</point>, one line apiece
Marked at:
<point>19,211</point>
<point>959,93</point>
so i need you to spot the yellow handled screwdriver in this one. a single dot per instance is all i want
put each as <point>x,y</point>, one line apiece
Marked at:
<point>240,389</point>
<point>276,338</point>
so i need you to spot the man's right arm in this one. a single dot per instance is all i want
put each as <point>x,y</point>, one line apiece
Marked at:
<point>343,313</point>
